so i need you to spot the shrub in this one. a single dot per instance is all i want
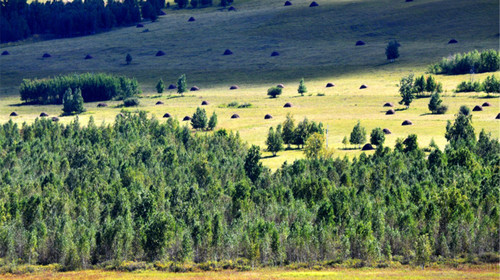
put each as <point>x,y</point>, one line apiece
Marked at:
<point>491,84</point>
<point>479,62</point>
<point>245,105</point>
<point>302,87</point>
<point>131,101</point>
<point>469,87</point>
<point>392,50</point>
<point>233,104</point>
<point>442,109</point>
<point>128,59</point>
<point>199,120</point>
<point>274,91</point>
<point>160,86</point>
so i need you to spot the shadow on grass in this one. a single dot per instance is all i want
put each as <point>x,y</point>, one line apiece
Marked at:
<point>400,109</point>
<point>271,156</point>
<point>427,114</point>
<point>349,149</point>
<point>486,97</point>
<point>28,104</point>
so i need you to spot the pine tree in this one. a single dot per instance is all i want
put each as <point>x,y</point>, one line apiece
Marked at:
<point>377,137</point>
<point>406,90</point>
<point>302,87</point>
<point>419,85</point>
<point>160,86</point>
<point>78,101</point>
<point>212,123</point>
<point>430,85</point>
<point>358,135</point>
<point>128,59</point>
<point>435,102</point>
<point>288,130</point>
<point>253,166</point>
<point>181,84</point>
<point>68,101</point>
<point>199,120</point>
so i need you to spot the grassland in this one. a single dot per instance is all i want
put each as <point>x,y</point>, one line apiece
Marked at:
<point>479,272</point>
<point>314,43</point>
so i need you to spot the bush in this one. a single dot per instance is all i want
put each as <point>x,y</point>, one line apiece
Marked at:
<point>490,257</point>
<point>479,62</point>
<point>274,91</point>
<point>132,101</point>
<point>94,87</point>
<point>469,87</point>
<point>491,84</point>
<point>442,109</point>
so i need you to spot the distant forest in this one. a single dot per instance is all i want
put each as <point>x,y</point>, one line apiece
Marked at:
<point>145,190</point>
<point>19,20</point>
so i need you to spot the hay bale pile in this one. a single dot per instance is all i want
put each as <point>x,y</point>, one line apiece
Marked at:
<point>195,88</point>
<point>268,116</point>
<point>363,86</point>
<point>186,118</point>
<point>452,41</point>
<point>313,4</point>
<point>88,56</point>
<point>167,115</point>
<point>407,122</point>
<point>235,116</point>
<point>160,53</point>
<point>386,131</point>
<point>388,104</point>
<point>191,19</point>
<point>360,43</point>
<point>159,103</point>
<point>228,52</point>
<point>102,105</point>
<point>390,112</point>
<point>477,108</point>
<point>287,105</point>
<point>46,55</point>
<point>288,3</point>
<point>172,86</point>
<point>13,114</point>
<point>43,114</point>
<point>204,102</point>
<point>486,104</point>
<point>275,53</point>
<point>5,53</point>
<point>330,85</point>
<point>234,87</point>
<point>367,147</point>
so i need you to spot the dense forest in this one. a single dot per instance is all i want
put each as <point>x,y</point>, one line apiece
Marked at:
<point>141,189</point>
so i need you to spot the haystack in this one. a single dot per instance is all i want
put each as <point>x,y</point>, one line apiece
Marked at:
<point>281,86</point>
<point>267,117</point>
<point>14,114</point>
<point>288,3</point>
<point>477,108</point>
<point>390,112</point>
<point>486,104</point>
<point>160,53</point>
<point>313,4</point>
<point>172,86</point>
<point>191,19</point>
<point>46,55</point>
<point>330,85</point>
<point>232,9</point>
<point>407,122</point>
<point>5,53</point>
<point>498,117</point>
<point>360,43</point>
<point>275,54</point>
<point>388,104</point>
<point>452,41</point>
<point>287,105</point>
<point>55,119</point>
<point>409,0</point>
<point>204,102</point>
<point>102,105</point>
<point>139,25</point>
<point>386,131</point>
<point>235,116</point>
<point>367,147</point>
<point>167,115</point>
<point>234,87</point>
<point>363,86</point>
<point>186,118</point>
<point>228,52</point>
<point>195,88</point>
<point>159,103</point>
<point>43,114</point>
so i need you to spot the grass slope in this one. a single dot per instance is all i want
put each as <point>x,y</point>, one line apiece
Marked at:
<point>315,43</point>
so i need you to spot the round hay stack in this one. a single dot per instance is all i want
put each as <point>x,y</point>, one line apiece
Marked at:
<point>409,0</point>
<point>390,112</point>
<point>407,122</point>
<point>386,131</point>
<point>162,13</point>
<point>186,118</point>
<point>55,119</point>
<point>235,116</point>
<point>360,43</point>
<point>167,115</point>
<point>160,53</point>
<point>367,147</point>
<point>313,4</point>
<point>172,86</point>
<point>232,9</point>
<point>195,88</point>
<point>88,56</point>
<point>234,87</point>
<point>330,85</point>
<point>102,105</point>
<point>363,86</point>
<point>159,103</point>
<point>43,114</point>
<point>388,104</point>
<point>268,116</point>
<point>287,105</point>
<point>477,108</point>
<point>139,25</point>
<point>486,104</point>
<point>288,3</point>
<point>13,114</point>
<point>204,102</point>
<point>46,55</point>
<point>228,52</point>
<point>191,19</point>
<point>281,86</point>
<point>452,41</point>
<point>275,53</point>
<point>498,117</point>
<point>5,53</point>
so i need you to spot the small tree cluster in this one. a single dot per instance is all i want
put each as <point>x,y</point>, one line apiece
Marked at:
<point>409,87</point>
<point>464,63</point>
<point>73,102</point>
<point>429,85</point>
<point>490,85</point>
<point>274,91</point>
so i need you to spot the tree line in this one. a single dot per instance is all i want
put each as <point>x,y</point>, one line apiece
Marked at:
<point>470,62</point>
<point>94,87</point>
<point>140,189</point>
<point>21,19</point>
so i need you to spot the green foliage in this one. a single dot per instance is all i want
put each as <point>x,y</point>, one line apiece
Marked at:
<point>469,86</point>
<point>274,91</point>
<point>392,50</point>
<point>253,166</point>
<point>199,119</point>
<point>160,86</point>
<point>435,104</point>
<point>212,122</point>
<point>288,133</point>
<point>131,101</point>
<point>128,59</point>
<point>491,84</point>
<point>420,85</point>
<point>94,87</point>
<point>358,135</point>
<point>479,62</point>
<point>315,146</point>
<point>406,90</point>
<point>377,137</point>
<point>461,133</point>
<point>73,102</point>
<point>274,141</point>
<point>181,84</point>
<point>302,87</point>
<point>423,250</point>
<point>304,129</point>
